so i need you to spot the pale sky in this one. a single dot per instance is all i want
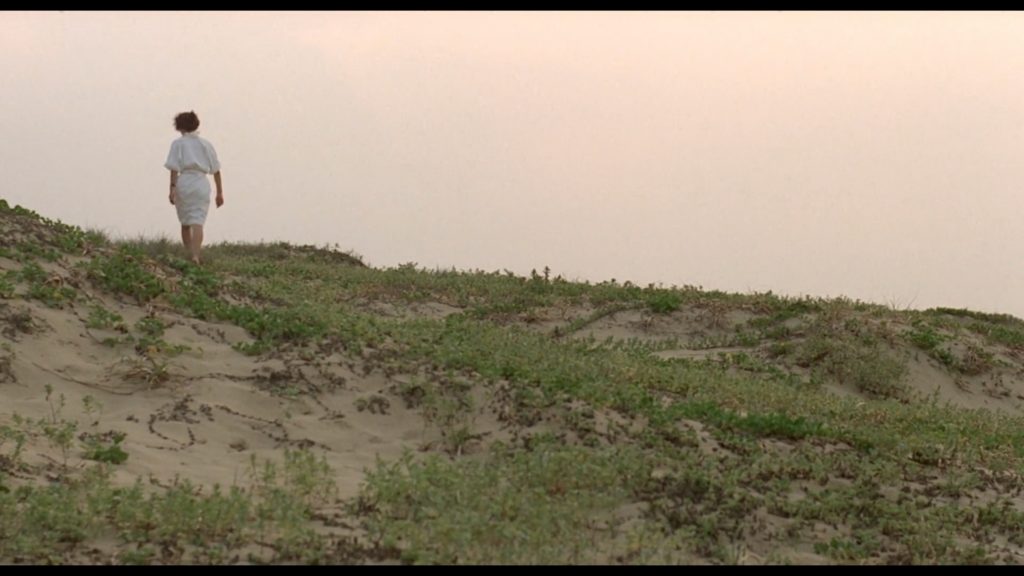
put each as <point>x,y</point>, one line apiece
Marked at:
<point>872,155</point>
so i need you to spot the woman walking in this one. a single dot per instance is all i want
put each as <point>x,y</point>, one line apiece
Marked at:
<point>191,158</point>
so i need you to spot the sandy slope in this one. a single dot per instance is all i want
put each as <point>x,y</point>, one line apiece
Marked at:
<point>219,407</point>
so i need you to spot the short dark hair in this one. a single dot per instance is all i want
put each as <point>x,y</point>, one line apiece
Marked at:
<point>186,122</point>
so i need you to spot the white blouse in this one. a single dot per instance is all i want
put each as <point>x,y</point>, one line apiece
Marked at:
<point>190,153</point>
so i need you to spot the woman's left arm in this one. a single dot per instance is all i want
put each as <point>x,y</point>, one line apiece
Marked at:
<point>220,188</point>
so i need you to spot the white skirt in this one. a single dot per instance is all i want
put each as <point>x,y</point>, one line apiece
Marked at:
<point>193,198</point>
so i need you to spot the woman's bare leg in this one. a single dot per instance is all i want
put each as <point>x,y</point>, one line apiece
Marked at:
<point>186,237</point>
<point>197,241</point>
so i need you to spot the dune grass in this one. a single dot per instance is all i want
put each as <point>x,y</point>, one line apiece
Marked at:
<point>618,455</point>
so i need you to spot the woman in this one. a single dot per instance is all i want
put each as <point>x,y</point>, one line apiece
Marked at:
<point>191,158</point>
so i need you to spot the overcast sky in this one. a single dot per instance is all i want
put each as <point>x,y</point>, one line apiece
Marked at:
<point>873,155</point>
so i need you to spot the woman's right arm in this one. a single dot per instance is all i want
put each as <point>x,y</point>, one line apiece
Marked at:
<point>174,185</point>
<point>172,164</point>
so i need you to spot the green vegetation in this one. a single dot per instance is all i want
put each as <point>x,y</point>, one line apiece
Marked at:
<point>723,443</point>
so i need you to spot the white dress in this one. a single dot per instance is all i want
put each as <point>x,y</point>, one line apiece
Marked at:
<point>192,158</point>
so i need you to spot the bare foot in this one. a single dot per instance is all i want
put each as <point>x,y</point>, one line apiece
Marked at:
<point>197,261</point>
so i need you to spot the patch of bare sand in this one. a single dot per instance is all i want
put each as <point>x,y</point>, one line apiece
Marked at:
<point>408,310</point>
<point>688,325</point>
<point>998,390</point>
<point>208,418</point>
<point>699,354</point>
<point>928,378</point>
<point>997,385</point>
